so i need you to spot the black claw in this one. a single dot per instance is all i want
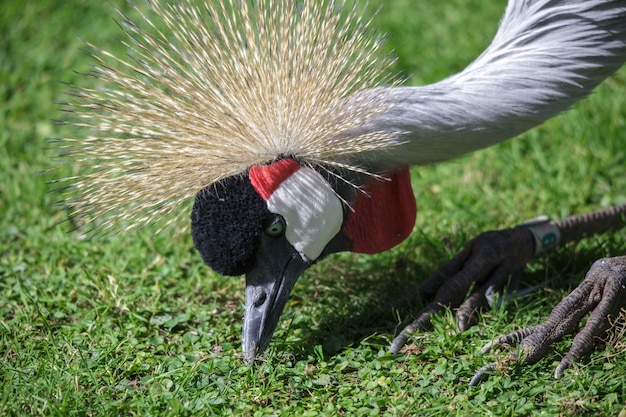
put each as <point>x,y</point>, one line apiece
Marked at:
<point>482,374</point>
<point>488,347</point>
<point>464,321</point>
<point>398,342</point>
<point>561,368</point>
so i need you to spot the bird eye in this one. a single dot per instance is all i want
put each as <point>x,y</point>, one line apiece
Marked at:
<point>276,228</point>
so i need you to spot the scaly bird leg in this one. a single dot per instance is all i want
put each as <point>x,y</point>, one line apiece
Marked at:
<point>490,259</point>
<point>602,293</point>
<point>485,263</point>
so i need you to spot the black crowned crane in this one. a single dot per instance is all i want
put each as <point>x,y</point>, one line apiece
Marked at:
<point>281,119</point>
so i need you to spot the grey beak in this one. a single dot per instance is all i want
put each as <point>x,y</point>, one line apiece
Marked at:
<point>268,286</point>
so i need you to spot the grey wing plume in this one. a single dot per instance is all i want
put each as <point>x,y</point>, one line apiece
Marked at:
<point>546,55</point>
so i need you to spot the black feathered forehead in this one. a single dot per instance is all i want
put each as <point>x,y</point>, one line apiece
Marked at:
<point>227,221</point>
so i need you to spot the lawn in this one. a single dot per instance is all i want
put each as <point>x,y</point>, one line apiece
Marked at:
<point>135,324</point>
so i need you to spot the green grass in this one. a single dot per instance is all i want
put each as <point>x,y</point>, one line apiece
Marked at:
<point>136,325</point>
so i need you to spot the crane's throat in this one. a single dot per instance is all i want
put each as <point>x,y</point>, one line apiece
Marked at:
<point>383,215</point>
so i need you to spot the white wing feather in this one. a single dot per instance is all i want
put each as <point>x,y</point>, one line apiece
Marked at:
<point>545,56</point>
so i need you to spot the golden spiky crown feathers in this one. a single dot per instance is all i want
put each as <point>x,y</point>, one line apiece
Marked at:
<point>211,88</point>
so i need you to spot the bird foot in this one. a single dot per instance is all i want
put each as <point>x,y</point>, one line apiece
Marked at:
<point>483,267</point>
<point>602,294</point>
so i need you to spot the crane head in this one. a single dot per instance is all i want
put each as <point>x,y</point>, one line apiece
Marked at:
<point>273,221</point>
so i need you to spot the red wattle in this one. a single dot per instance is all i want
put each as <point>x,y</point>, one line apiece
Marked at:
<point>267,178</point>
<point>384,215</point>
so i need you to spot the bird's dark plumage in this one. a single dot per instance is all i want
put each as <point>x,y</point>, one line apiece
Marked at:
<point>227,221</point>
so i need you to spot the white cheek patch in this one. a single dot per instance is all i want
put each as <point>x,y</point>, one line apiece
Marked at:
<point>312,211</point>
